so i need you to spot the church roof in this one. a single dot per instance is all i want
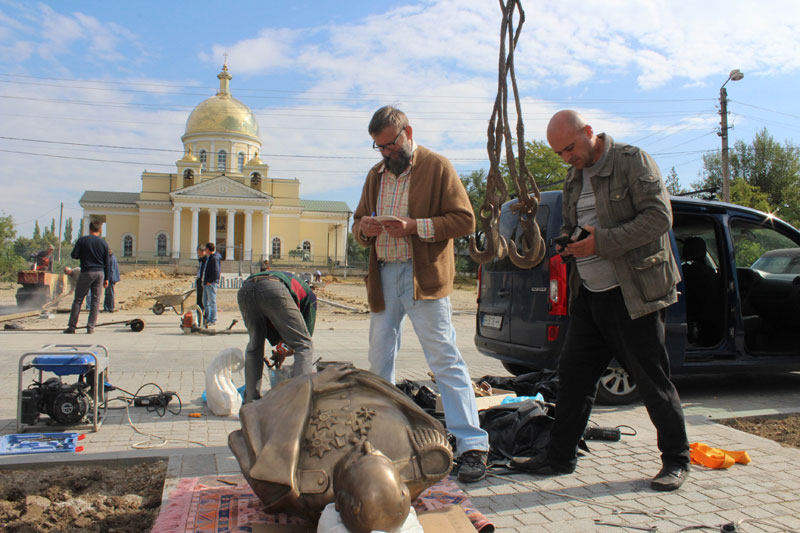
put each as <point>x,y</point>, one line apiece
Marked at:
<point>109,197</point>
<point>222,113</point>
<point>325,205</point>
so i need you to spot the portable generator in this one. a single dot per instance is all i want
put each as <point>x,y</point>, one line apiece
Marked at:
<point>65,401</point>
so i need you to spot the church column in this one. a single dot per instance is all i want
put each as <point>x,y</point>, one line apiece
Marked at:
<point>86,220</point>
<point>265,233</point>
<point>176,232</point>
<point>248,235</point>
<point>195,221</point>
<point>229,238</point>
<point>212,225</point>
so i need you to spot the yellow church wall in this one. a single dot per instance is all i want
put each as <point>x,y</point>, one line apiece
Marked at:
<point>119,224</point>
<point>151,223</point>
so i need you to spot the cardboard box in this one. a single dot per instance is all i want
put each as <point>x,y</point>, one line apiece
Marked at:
<point>450,519</point>
<point>484,402</point>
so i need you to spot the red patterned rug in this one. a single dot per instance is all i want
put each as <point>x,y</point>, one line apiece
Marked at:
<point>227,504</point>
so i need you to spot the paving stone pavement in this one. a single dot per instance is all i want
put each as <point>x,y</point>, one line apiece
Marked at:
<point>611,484</point>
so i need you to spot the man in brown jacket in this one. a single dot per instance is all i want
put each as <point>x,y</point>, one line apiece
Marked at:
<point>412,207</point>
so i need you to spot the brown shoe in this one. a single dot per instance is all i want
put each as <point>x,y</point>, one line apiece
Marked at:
<point>473,466</point>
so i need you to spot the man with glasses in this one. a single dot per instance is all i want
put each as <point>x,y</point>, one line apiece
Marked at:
<point>412,207</point>
<point>621,283</point>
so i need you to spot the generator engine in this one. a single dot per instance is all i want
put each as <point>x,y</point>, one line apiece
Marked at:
<point>65,404</point>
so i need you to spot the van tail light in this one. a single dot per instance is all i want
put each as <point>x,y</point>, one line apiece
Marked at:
<point>552,333</point>
<point>480,272</point>
<point>558,286</point>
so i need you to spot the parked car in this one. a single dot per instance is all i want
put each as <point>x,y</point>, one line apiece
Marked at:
<point>730,316</point>
<point>781,263</point>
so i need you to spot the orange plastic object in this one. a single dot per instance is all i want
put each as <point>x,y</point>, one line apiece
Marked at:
<point>703,454</point>
<point>195,415</point>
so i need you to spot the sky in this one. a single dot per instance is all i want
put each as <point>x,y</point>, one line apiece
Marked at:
<point>93,93</point>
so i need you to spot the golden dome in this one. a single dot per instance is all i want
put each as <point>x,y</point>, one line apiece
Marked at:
<point>222,113</point>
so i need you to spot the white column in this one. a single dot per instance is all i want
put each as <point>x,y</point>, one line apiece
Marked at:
<point>265,233</point>
<point>176,232</point>
<point>86,220</point>
<point>248,235</point>
<point>195,221</point>
<point>229,237</point>
<point>212,225</point>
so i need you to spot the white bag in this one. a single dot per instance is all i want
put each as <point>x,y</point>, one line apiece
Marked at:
<point>221,395</point>
<point>331,522</point>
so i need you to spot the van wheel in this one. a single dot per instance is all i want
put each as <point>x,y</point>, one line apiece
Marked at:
<point>616,386</point>
<point>515,369</point>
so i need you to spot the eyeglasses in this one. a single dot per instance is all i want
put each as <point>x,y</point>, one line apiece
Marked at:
<point>387,146</point>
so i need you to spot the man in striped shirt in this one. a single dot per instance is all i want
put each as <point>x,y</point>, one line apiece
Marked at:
<point>412,207</point>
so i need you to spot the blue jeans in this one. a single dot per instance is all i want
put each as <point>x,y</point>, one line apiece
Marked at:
<point>210,303</point>
<point>432,324</point>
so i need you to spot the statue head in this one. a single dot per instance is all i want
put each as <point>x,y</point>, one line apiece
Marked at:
<point>369,492</point>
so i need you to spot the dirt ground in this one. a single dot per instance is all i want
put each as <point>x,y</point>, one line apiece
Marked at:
<point>121,499</point>
<point>126,499</point>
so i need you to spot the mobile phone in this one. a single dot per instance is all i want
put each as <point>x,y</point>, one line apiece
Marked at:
<point>578,234</point>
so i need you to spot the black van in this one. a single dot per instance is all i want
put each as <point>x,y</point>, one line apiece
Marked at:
<point>729,317</point>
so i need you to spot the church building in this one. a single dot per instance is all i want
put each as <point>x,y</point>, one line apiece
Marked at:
<point>220,192</point>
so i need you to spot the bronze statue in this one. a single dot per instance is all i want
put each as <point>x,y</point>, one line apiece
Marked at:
<point>292,439</point>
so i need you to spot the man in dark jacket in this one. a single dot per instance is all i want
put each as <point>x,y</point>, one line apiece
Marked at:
<point>201,259</point>
<point>210,274</point>
<point>95,260</point>
<point>110,302</point>
<point>276,306</point>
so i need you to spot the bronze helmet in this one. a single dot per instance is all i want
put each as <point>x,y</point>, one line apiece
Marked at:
<point>369,492</point>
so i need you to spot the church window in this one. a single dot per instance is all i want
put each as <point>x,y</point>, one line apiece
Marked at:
<point>276,248</point>
<point>255,179</point>
<point>241,161</point>
<point>127,245</point>
<point>161,244</point>
<point>188,177</point>
<point>222,160</point>
<point>306,250</point>
<point>203,160</point>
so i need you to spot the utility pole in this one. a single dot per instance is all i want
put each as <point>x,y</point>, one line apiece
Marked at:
<point>734,75</point>
<point>60,229</point>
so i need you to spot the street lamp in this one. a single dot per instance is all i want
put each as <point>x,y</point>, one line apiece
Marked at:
<point>735,75</point>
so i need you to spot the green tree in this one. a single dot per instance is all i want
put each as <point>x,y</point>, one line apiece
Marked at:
<point>546,167</point>
<point>68,231</point>
<point>673,183</point>
<point>356,253</point>
<point>771,167</point>
<point>52,226</point>
<point>37,233</point>
<point>10,262</point>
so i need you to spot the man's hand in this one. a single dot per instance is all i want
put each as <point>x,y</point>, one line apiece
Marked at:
<point>401,227</point>
<point>105,284</point>
<point>370,227</point>
<point>583,247</point>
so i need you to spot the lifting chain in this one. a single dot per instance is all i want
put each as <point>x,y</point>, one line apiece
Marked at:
<point>528,195</point>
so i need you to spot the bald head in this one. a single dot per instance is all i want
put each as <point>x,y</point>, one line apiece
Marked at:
<point>566,120</point>
<point>573,139</point>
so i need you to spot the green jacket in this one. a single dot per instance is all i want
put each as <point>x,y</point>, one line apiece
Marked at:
<point>635,217</point>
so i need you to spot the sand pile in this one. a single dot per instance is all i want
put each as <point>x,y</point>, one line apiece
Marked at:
<point>147,273</point>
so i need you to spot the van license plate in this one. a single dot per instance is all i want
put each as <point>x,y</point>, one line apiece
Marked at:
<point>492,321</point>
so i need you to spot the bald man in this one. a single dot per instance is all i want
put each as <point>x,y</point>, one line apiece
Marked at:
<point>622,280</point>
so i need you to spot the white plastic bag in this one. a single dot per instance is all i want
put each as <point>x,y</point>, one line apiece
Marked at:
<point>221,395</point>
<point>331,522</point>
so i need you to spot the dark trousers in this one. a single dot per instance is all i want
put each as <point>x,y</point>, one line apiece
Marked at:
<point>87,281</point>
<point>199,291</point>
<point>601,329</point>
<point>108,301</point>
<point>266,304</point>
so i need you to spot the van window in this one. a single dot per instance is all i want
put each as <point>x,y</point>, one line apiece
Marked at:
<point>511,230</point>
<point>752,240</point>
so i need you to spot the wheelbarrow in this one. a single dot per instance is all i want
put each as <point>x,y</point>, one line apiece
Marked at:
<point>172,301</point>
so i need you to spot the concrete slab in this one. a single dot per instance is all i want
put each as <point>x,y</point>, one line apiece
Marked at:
<point>610,485</point>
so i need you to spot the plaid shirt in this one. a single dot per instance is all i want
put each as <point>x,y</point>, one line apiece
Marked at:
<point>393,200</point>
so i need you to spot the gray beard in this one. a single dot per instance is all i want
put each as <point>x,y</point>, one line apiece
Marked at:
<point>398,165</point>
